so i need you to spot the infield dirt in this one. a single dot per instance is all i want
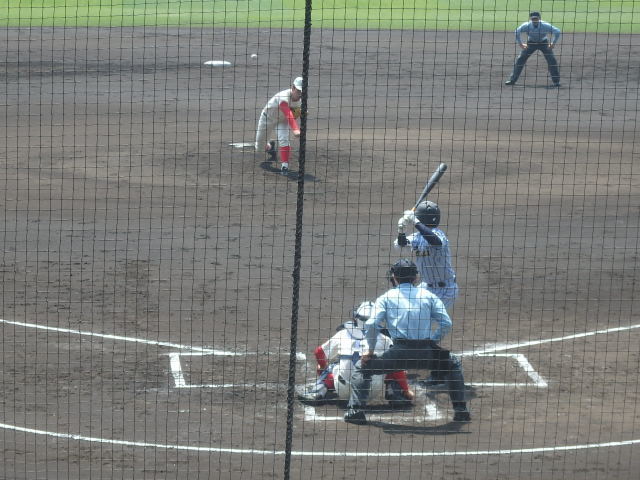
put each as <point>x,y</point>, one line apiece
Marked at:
<point>127,212</point>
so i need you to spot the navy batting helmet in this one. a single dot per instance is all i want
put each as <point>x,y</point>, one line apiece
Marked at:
<point>404,270</point>
<point>428,213</point>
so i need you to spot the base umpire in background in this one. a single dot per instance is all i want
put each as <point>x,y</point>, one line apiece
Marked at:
<point>540,36</point>
<point>416,319</point>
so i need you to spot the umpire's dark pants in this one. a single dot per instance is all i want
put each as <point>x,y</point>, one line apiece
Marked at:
<point>408,355</point>
<point>530,50</point>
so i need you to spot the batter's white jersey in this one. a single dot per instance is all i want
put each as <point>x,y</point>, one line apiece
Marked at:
<point>435,265</point>
<point>346,347</point>
<point>272,118</point>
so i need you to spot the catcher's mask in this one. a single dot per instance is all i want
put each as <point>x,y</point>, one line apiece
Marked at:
<point>403,271</point>
<point>428,213</point>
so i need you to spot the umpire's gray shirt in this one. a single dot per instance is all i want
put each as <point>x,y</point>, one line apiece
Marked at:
<point>538,34</point>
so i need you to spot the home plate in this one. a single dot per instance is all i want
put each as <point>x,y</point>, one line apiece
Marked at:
<point>218,63</point>
<point>242,145</point>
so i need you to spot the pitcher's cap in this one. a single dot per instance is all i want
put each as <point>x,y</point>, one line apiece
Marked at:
<point>298,83</point>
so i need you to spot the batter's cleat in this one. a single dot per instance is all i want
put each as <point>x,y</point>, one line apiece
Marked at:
<point>462,416</point>
<point>284,169</point>
<point>355,416</point>
<point>271,153</point>
<point>510,82</point>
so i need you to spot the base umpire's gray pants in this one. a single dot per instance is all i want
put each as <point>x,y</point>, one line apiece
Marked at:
<point>530,50</point>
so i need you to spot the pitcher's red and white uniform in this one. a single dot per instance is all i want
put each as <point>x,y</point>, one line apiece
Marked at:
<point>280,114</point>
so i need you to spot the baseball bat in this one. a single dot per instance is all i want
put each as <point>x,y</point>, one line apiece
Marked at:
<point>435,178</point>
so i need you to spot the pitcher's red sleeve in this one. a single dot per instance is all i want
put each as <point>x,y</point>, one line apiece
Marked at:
<point>321,358</point>
<point>401,377</point>
<point>284,108</point>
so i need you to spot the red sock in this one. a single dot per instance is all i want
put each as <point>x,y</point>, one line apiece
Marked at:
<point>328,382</point>
<point>401,378</point>
<point>284,154</point>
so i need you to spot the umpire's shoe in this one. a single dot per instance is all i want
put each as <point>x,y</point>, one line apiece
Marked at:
<point>355,416</point>
<point>462,416</point>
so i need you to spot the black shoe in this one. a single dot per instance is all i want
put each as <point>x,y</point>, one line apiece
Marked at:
<point>462,416</point>
<point>510,82</point>
<point>272,151</point>
<point>556,85</point>
<point>356,417</point>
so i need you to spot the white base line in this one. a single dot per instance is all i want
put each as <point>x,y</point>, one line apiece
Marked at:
<point>499,348</point>
<point>316,453</point>
<point>565,448</point>
<point>208,351</point>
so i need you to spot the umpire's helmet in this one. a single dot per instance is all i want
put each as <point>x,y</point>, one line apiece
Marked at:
<point>404,271</point>
<point>428,213</point>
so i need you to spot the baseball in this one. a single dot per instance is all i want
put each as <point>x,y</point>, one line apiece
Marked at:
<point>254,55</point>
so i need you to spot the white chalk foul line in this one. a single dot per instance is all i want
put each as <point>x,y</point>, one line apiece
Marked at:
<point>500,348</point>
<point>208,351</point>
<point>298,453</point>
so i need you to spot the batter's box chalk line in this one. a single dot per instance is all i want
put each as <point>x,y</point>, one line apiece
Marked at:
<point>310,453</point>
<point>430,413</point>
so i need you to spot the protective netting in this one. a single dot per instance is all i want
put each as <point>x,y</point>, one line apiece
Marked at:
<point>168,291</point>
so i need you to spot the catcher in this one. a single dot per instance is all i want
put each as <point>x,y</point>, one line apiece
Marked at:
<point>336,359</point>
